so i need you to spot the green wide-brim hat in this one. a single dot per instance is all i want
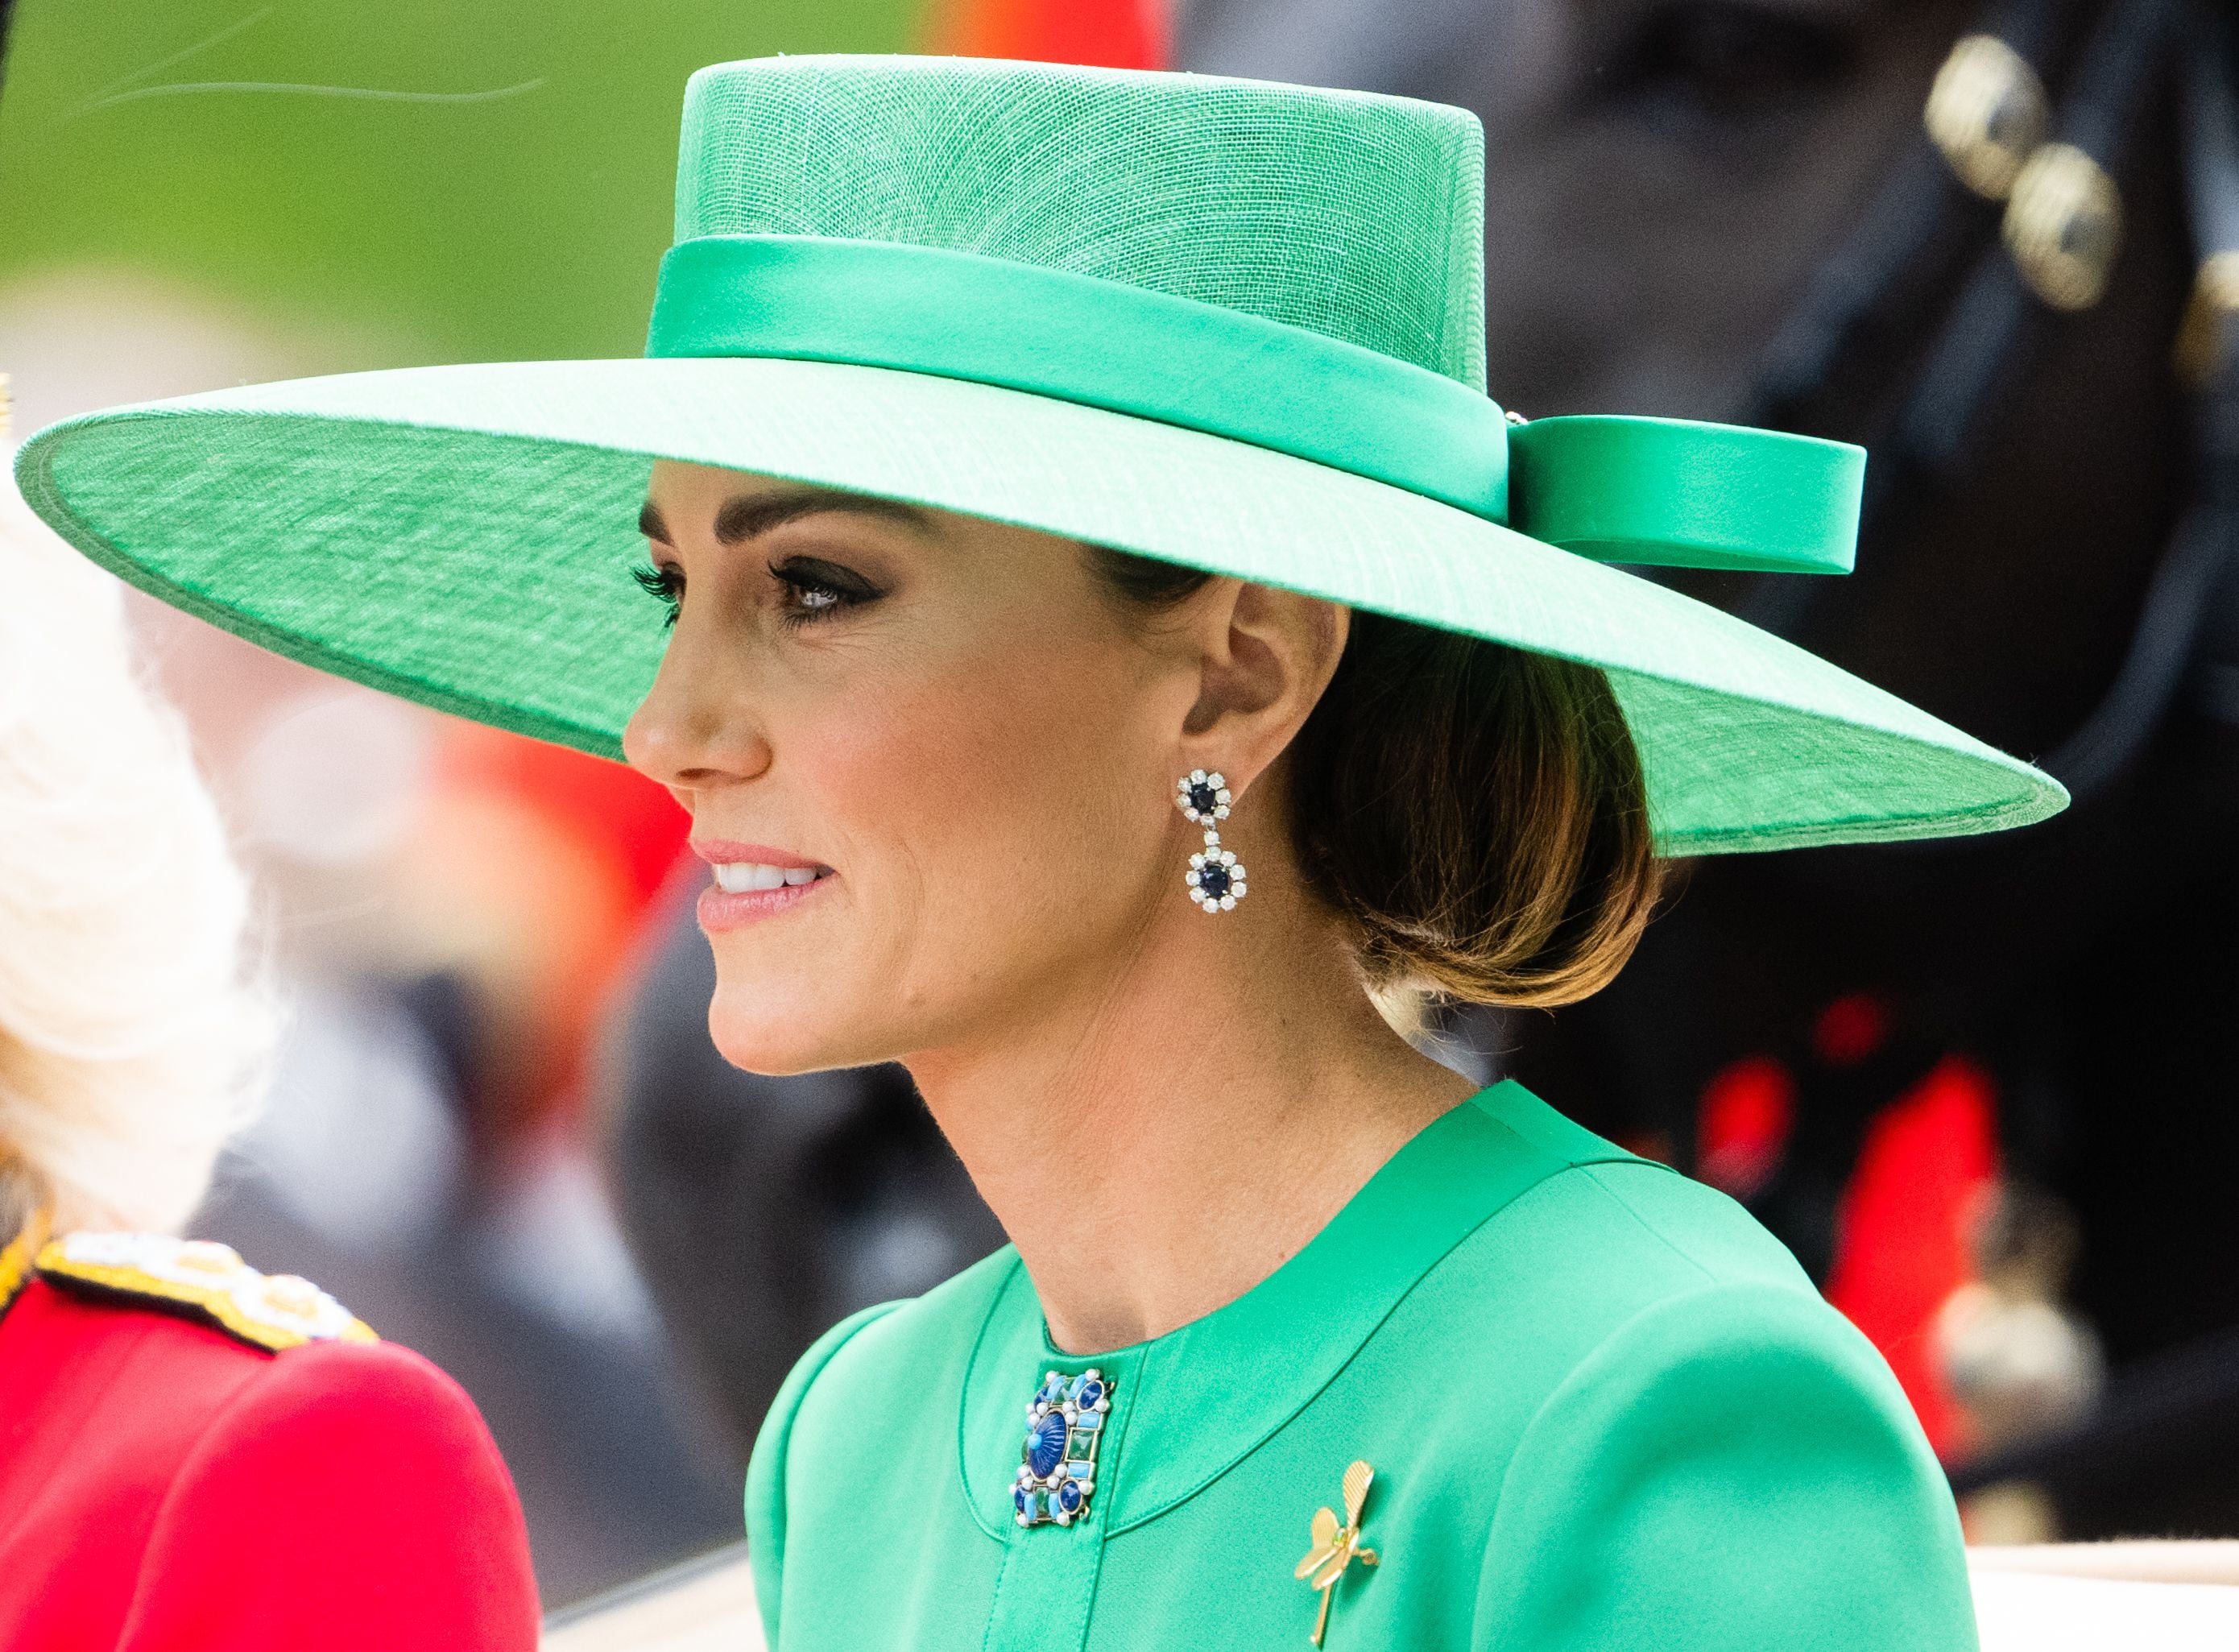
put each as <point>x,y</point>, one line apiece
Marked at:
<point>1229,324</point>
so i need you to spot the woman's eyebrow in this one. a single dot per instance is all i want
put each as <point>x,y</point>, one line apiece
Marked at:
<point>741,519</point>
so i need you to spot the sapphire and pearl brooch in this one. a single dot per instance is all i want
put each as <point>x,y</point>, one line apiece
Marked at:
<point>1065,1425</point>
<point>1215,879</point>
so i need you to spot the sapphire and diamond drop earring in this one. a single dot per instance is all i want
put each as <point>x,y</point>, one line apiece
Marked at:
<point>1215,877</point>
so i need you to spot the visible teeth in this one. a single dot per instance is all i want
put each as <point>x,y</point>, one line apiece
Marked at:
<point>739,877</point>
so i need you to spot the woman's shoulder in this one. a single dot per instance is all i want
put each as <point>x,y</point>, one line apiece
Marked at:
<point>146,1341</point>
<point>1606,1231</point>
<point>1691,1435</point>
<point>1650,1217</point>
<point>1609,1269</point>
<point>170,1334</point>
<point>1720,1449</point>
<point>242,1456</point>
<point>1619,1201</point>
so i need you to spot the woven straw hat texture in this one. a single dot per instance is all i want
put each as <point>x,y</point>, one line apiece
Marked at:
<point>463,536</point>
<point>1358,216</point>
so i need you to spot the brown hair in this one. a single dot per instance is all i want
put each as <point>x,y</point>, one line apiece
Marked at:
<point>1476,811</point>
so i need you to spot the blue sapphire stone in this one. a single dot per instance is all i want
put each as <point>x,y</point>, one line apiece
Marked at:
<point>1046,1445</point>
<point>1201,797</point>
<point>1068,1497</point>
<point>1212,878</point>
<point>1087,1392</point>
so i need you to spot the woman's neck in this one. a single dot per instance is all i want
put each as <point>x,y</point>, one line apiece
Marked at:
<point>1163,1144</point>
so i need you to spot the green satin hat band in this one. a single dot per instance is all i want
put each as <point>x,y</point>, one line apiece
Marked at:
<point>1652,491</point>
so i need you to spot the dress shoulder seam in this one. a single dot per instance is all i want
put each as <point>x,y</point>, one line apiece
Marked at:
<point>1655,1229</point>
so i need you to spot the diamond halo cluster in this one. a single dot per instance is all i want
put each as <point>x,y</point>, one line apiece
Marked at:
<point>1215,876</point>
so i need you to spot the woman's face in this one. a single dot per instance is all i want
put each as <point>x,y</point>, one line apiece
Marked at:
<point>929,757</point>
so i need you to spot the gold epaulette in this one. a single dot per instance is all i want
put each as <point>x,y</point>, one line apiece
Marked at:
<point>206,1281</point>
<point>15,1258</point>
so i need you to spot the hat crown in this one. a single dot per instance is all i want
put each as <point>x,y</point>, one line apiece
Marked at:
<point>1353,216</point>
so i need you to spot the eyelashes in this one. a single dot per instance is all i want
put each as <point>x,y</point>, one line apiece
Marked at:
<point>665,585</point>
<point>814,589</point>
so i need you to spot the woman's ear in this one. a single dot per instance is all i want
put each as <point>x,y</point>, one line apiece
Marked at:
<point>1267,654</point>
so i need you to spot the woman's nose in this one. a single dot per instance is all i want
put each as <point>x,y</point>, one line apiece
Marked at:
<point>696,727</point>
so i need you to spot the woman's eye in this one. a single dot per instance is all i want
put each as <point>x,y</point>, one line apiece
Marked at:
<point>814,589</point>
<point>665,585</point>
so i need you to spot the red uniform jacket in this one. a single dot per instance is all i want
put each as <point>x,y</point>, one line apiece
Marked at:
<point>168,1486</point>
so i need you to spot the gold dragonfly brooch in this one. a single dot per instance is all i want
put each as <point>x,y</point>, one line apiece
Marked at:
<point>1336,1547</point>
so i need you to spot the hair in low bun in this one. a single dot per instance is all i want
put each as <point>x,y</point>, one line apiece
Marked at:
<point>1476,811</point>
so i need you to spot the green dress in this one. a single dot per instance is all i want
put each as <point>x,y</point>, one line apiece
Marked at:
<point>1604,1409</point>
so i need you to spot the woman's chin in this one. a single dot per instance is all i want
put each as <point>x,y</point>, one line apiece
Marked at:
<point>760,1037</point>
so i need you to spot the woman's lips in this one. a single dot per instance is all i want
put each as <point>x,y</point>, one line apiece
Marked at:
<point>753,882</point>
<point>726,851</point>
<point>721,910</point>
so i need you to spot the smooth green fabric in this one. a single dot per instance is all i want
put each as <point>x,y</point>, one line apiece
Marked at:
<point>1080,338</point>
<point>1675,494</point>
<point>462,536</point>
<point>1647,491</point>
<point>1605,1410</point>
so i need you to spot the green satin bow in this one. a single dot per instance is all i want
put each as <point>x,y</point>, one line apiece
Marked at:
<point>1643,490</point>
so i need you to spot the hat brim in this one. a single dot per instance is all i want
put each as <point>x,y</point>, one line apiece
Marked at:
<point>463,537</point>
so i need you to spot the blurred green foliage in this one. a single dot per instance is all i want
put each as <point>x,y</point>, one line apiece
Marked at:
<point>523,225</point>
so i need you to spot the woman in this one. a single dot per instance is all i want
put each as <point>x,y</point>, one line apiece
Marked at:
<point>1074,489</point>
<point>193,1454</point>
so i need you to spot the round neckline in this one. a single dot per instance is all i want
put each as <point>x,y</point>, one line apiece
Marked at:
<point>1195,1400</point>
